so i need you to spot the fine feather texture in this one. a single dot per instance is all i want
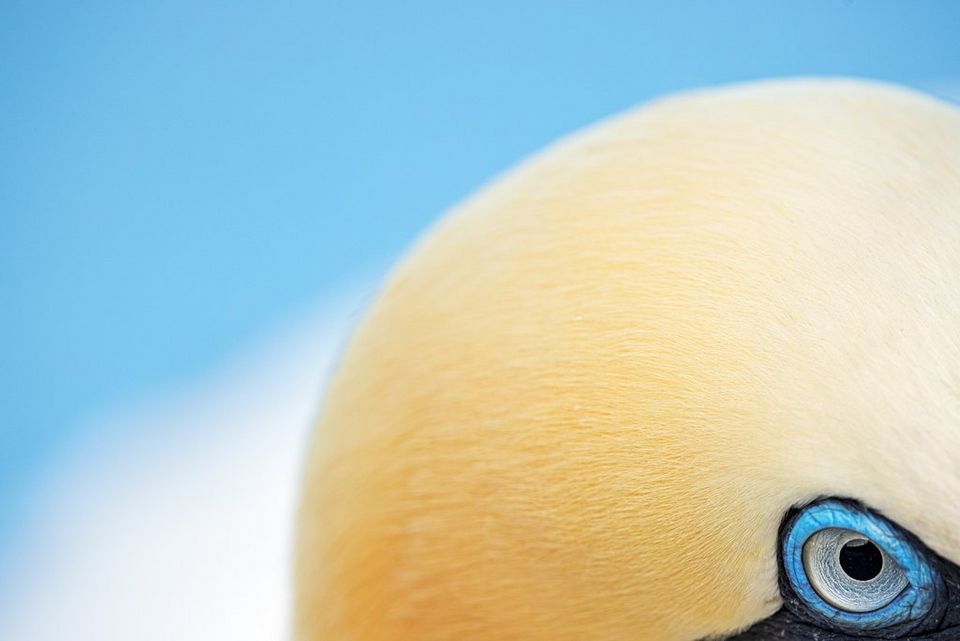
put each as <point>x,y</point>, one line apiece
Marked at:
<point>582,405</point>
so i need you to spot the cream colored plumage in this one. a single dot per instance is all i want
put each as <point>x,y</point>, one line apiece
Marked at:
<point>579,409</point>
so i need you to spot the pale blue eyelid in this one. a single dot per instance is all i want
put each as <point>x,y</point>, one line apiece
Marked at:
<point>915,600</point>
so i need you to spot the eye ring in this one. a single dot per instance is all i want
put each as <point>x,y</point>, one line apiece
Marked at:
<point>828,526</point>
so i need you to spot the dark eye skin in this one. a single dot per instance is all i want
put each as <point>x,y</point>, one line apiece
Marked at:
<point>926,609</point>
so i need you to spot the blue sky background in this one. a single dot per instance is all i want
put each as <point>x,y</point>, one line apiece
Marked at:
<point>177,176</point>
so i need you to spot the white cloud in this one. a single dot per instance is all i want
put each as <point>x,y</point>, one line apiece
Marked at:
<point>173,520</point>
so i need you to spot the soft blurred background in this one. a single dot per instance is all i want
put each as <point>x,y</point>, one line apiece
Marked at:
<point>197,197</point>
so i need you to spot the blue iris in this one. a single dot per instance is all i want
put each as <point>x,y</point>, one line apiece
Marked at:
<point>915,600</point>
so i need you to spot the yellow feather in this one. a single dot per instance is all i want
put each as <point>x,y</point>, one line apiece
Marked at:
<point>579,409</point>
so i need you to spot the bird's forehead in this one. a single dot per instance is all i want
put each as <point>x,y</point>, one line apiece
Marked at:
<point>825,253</point>
<point>857,332</point>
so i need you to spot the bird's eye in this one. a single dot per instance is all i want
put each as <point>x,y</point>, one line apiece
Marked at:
<point>855,568</point>
<point>850,572</point>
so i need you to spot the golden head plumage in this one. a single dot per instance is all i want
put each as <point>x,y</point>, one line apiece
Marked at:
<point>581,407</point>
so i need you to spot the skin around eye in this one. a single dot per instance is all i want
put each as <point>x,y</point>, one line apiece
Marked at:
<point>867,594</point>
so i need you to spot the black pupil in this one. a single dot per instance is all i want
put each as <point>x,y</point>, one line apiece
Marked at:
<point>861,559</point>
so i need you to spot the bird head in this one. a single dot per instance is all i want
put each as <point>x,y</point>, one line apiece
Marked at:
<point>691,373</point>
